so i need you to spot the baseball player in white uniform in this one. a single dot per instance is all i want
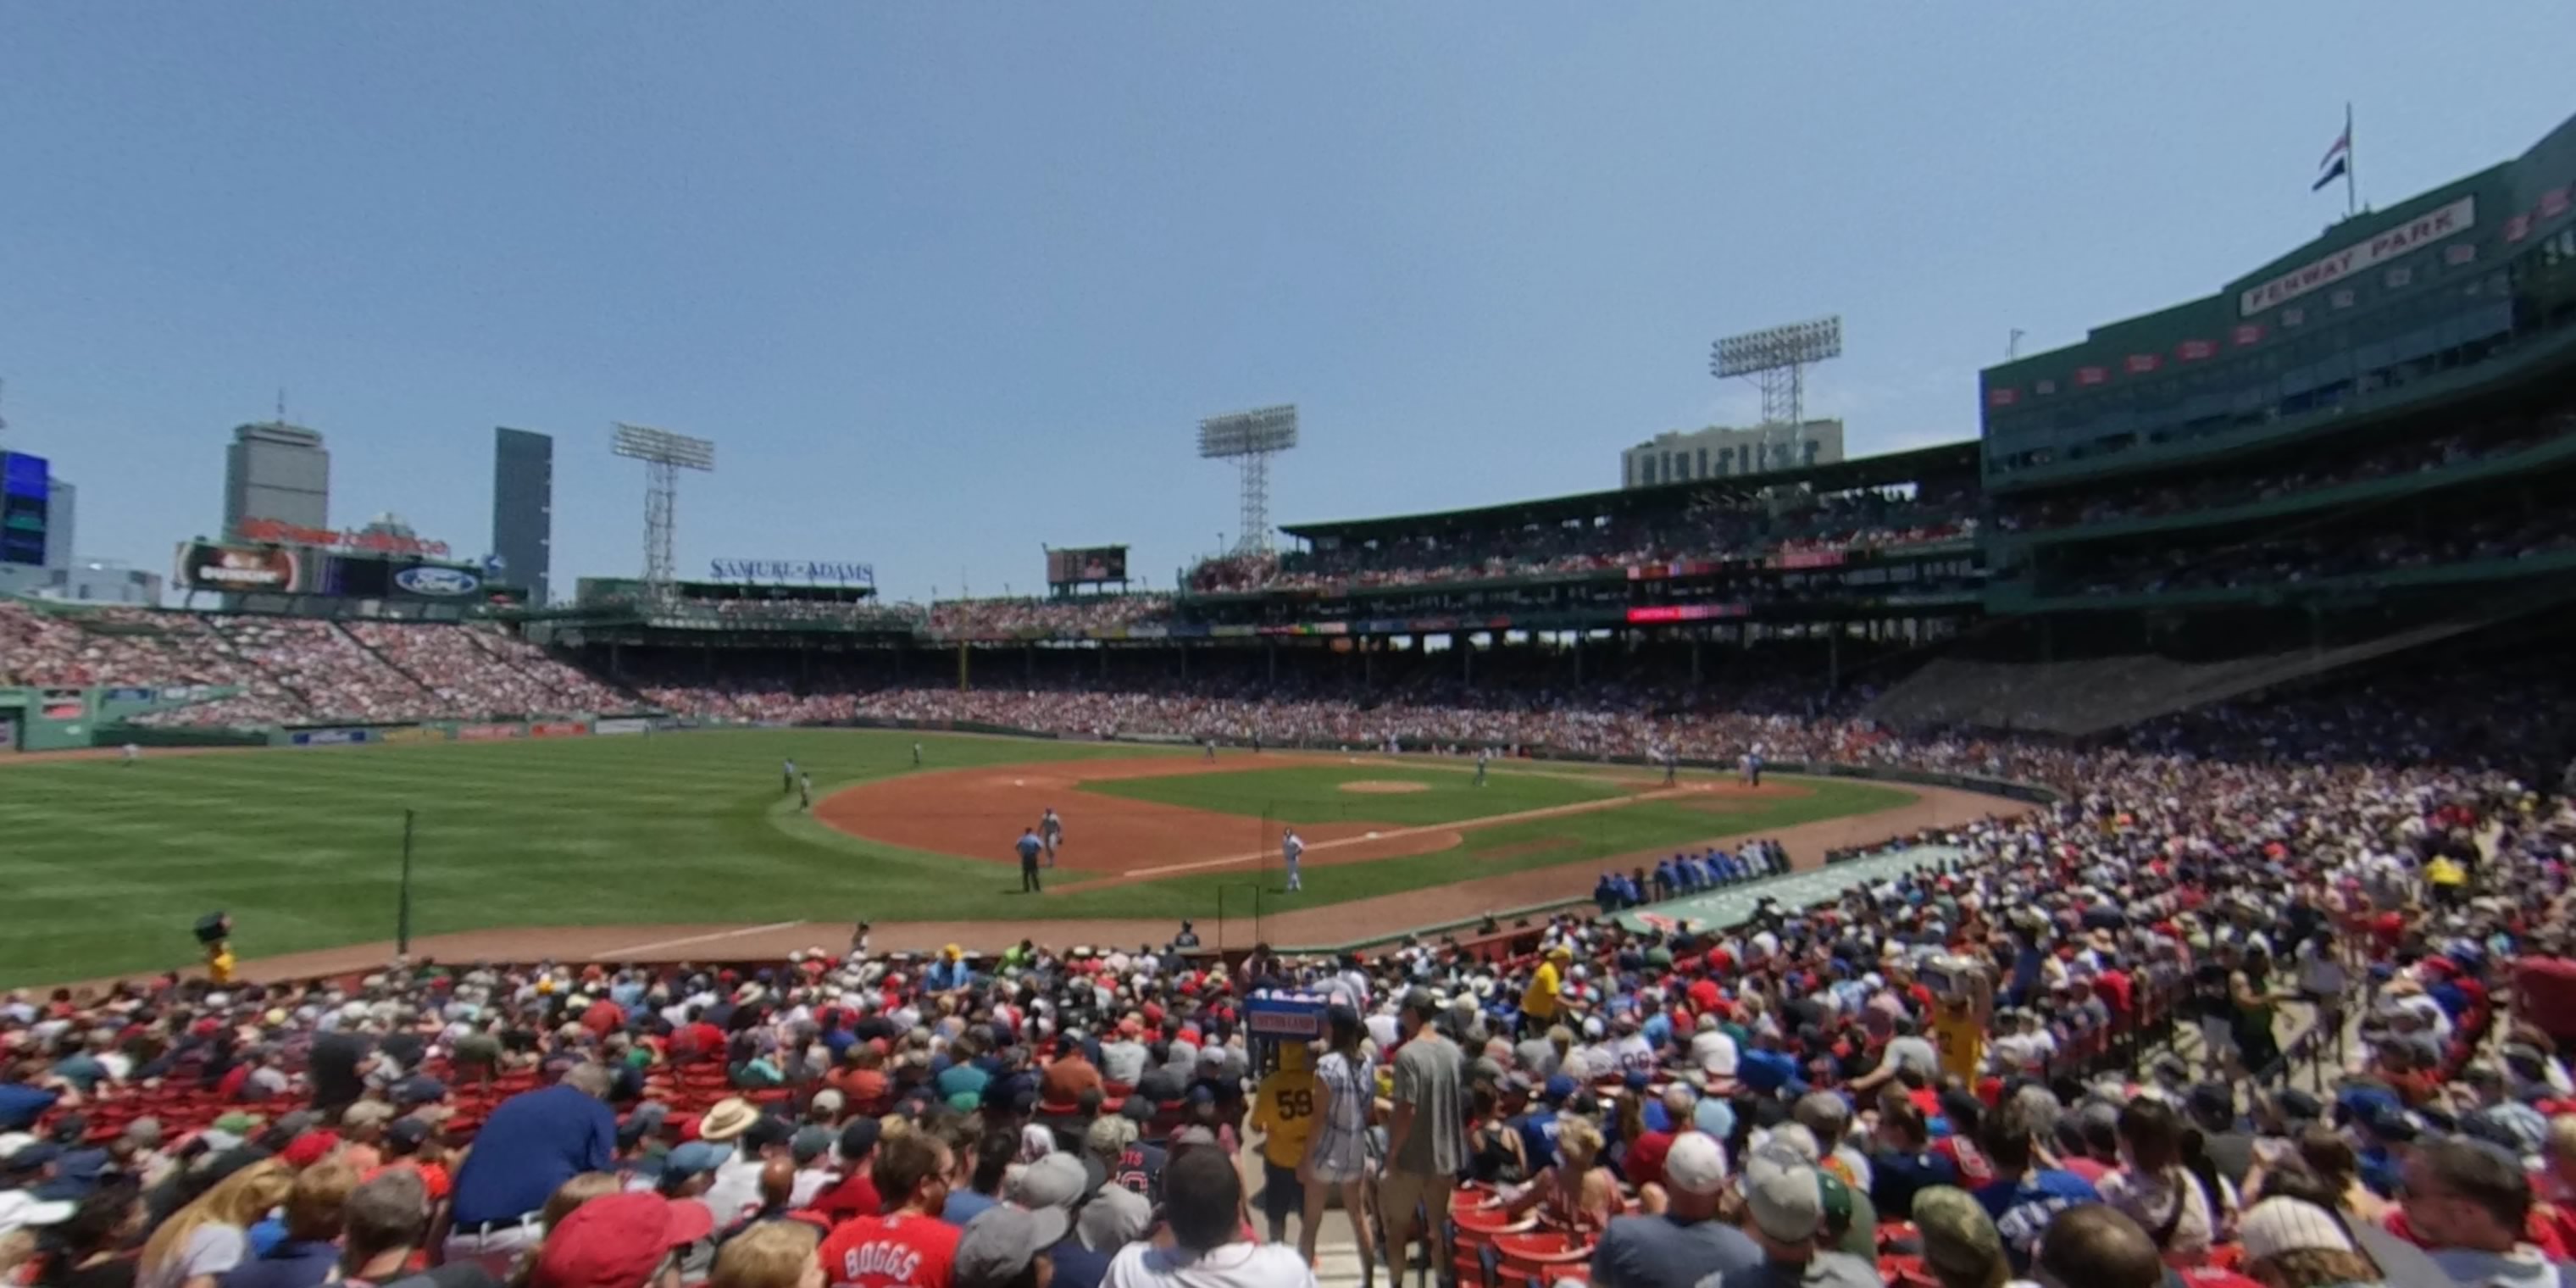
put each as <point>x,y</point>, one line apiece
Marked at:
<point>1290,847</point>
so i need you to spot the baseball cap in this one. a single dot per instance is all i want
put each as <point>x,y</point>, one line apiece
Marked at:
<point>1787,1203</point>
<point>859,1136</point>
<point>1695,1164</point>
<point>2278,1225</point>
<point>1958,1235</point>
<point>310,1148</point>
<point>1000,1242</point>
<point>409,1133</point>
<point>810,1143</point>
<point>1559,1086</point>
<point>690,1159</point>
<point>418,1089</point>
<point>767,1130</point>
<point>2298,1106</point>
<point>1060,1181</point>
<point>618,1241</point>
<point>21,1210</point>
<point>1714,1116</point>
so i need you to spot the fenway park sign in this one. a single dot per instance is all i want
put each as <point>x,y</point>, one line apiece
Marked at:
<point>2359,257</point>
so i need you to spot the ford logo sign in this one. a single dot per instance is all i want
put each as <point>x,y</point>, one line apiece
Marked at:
<point>442,582</point>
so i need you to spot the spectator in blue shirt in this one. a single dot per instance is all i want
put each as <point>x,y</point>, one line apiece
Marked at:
<point>22,1102</point>
<point>949,972</point>
<point>1766,1068</point>
<point>2024,1197</point>
<point>532,1143</point>
<point>1904,1162</point>
<point>1538,1126</point>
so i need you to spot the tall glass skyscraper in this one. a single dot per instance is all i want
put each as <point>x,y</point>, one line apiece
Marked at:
<point>523,508</point>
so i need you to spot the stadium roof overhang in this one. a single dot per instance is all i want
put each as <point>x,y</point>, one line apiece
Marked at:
<point>1946,459</point>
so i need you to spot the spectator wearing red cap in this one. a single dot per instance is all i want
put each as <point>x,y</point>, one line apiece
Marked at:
<point>621,1241</point>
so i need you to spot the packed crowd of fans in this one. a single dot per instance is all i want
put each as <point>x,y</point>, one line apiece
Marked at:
<point>1762,704</point>
<point>2208,490</point>
<point>110,646</point>
<point>2313,556</point>
<point>1789,527</point>
<point>481,671</point>
<point>1962,1076</point>
<point>290,670</point>
<point>1025,618</point>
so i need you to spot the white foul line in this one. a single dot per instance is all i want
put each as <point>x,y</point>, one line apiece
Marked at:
<point>707,938</point>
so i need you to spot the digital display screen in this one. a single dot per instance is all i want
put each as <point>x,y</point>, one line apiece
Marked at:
<point>358,578</point>
<point>1070,566</point>
<point>23,494</point>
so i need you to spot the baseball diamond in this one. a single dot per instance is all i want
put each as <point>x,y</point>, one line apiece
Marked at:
<point>2133,845</point>
<point>304,849</point>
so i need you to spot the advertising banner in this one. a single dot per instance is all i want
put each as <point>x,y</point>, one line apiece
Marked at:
<point>356,539</point>
<point>558,729</point>
<point>432,581</point>
<point>209,565</point>
<point>489,732</point>
<point>126,695</point>
<point>1661,613</point>
<point>621,724</point>
<point>330,737</point>
<point>847,572</point>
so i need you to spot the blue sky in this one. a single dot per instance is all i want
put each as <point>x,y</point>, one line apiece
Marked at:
<point>947,281</point>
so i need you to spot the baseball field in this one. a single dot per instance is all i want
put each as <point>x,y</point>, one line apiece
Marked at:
<point>686,845</point>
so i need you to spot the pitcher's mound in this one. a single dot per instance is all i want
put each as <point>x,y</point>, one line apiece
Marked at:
<point>1383,786</point>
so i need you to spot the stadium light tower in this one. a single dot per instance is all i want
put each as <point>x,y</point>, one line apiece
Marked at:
<point>1250,439</point>
<point>664,455</point>
<point>1776,360</point>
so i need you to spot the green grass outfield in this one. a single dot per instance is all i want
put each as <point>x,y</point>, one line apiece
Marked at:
<point>106,866</point>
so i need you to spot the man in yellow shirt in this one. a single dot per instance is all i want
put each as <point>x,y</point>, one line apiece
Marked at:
<point>2449,879</point>
<point>1283,1107</point>
<point>1960,1022</point>
<point>1539,1000</point>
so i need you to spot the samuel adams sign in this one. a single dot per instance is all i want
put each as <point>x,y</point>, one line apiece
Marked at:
<point>765,570</point>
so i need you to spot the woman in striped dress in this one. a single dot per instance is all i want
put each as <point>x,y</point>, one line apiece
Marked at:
<point>1337,1155</point>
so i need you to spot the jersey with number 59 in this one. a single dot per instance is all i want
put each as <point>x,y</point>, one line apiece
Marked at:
<point>1284,1107</point>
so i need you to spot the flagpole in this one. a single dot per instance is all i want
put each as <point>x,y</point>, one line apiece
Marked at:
<point>2351,197</point>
